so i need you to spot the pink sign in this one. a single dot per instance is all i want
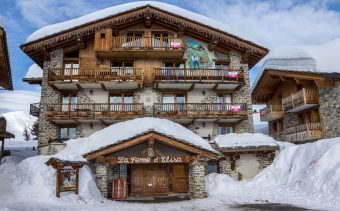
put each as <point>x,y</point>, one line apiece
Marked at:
<point>232,74</point>
<point>235,108</point>
<point>175,45</point>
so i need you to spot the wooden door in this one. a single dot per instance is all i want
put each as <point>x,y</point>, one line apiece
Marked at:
<point>180,178</point>
<point>149,180</point>
<point>148,65</point>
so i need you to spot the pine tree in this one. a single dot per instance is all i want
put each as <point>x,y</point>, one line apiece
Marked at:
<point>35,130</point>
<point>26,134</point>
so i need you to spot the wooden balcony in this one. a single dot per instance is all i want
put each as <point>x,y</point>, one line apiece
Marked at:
<point>109,79</point>
<point>303,99</point>
<point>180,78</point>
<point>140,47</point>
<point>221,112</point>
<point>270,113</point>
<point>95,112</point>
<point>35,109</point>
<point>304,132</point>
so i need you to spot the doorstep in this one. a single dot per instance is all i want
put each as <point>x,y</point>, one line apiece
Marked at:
<point>156,199</point>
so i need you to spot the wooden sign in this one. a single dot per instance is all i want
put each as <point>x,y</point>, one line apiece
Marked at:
<point>68,179</point>
<point>149,160</point>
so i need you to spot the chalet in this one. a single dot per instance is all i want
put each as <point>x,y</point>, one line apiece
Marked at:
<point>5,68</point>
<point>300,86</point>
<point>132,62</point>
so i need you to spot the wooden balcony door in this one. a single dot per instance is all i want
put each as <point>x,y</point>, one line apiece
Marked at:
<point>224,101</point>
<point>148,65</point>
<point>71,69</point>
<point>149,180</point>
<point>121,102</point>
<point>69,102</point>
<point>173,102</point>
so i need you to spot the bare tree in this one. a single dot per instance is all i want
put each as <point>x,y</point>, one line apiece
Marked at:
<point>26,134</point>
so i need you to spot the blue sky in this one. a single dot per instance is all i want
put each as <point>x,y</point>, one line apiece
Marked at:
<point>272,23</point>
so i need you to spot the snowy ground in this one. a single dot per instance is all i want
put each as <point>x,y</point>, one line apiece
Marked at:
<point>305,175</point>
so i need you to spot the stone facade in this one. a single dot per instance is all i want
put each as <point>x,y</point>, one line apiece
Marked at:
<point>197,180</point>
<point>47,130</point>
<point>329,101</point>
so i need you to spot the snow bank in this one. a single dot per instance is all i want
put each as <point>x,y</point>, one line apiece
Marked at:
<point>122,131</point>
<point>111,11</point>
<point>34,71</point>
<point>305,175</point>
<point>244,140</point>
<point>33,180</point>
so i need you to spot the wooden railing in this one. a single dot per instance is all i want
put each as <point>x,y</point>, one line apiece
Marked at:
<point>304,132</point>
<point>200,109</point>
<point>94,110</point>
<point>35,109</point>
<point>302,97</point>
<point>133,42</point>
<point>166,73</point>
<point>271,112</point>
<point>109,74</point>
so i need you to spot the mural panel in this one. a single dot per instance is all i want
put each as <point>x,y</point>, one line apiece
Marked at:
<point>197,55</point>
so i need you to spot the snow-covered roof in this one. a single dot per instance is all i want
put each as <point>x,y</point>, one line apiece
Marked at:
<point>34,71</point>
<point>123,131</point>
<point>111,11</point>
<point>240,140</point>
<point>314,58</point>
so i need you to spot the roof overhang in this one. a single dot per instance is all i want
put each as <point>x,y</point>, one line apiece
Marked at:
<point>249,149</point>
<point>162,138</point>
<point>252,53</point>
<point>269,80</point>
<point>5,68</point>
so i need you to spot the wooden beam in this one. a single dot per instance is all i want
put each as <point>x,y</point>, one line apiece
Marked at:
<point>325,83</point>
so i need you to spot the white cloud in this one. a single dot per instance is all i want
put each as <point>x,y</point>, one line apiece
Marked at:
<point>18,100</point>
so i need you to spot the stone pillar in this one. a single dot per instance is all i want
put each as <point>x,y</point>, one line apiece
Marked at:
<point>265,159</point>
<point>47,130</point>
<point>225,167</point>
<point>197,180</point>
<point>102,178</point>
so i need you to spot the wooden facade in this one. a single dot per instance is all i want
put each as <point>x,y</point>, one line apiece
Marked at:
<point>5,68</point>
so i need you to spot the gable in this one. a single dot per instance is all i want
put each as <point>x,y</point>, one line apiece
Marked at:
<point>165,145</point>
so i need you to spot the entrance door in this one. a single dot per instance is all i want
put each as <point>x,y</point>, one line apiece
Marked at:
<point>180,179</point>
<point>149,180</point>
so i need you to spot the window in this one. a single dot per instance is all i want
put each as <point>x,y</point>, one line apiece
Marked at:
<point>221,66</point>
<point>71,68</point>
<point>224,101</point>
<point>173,102</point>
<point>119,171</point>
<point>160,40</point>
<point>134,39</point>
<point>69,102</point>
<point>173,68</point>
<point>122,68</point>
<point>212,167</point>
<point>225,130</point>
<point>67,133</point>
<point>121,102</point>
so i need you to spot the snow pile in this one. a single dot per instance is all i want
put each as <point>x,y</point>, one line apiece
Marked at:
<point>236,140</point>
<point>306,175</point>
<point>16,122</point>
<point>123,131</point>
<point>33,180</point>
<point>217,184</point>
<point>115,10</point>
<point>34,71</point>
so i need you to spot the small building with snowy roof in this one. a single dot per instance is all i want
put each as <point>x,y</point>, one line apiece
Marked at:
<point>246,153</point>
<point>301,87</point>
<point>34,75</point>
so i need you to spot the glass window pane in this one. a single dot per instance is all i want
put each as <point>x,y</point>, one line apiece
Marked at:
<point>116,99</point>
<point>212,167</point>
<point>221,130</point>
<point>229,130</point>
<point>227,98</point>
<point>168,98</point>
<point>128,99</point>
<point>72,132</point>
<point>63,132</point>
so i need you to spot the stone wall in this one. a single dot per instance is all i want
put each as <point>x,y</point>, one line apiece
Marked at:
<point>197,180</point>
<point>48,96</point>
<point>102,178</point>
<point>329,101</point>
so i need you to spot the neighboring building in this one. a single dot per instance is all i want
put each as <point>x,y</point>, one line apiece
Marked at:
<point>141,59</point>
<point>4,135</point>
<point>300,86</point>
<point>5,68</point>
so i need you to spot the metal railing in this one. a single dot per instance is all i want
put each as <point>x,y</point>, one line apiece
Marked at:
<point>167,73</point>
<point>108,74</point>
